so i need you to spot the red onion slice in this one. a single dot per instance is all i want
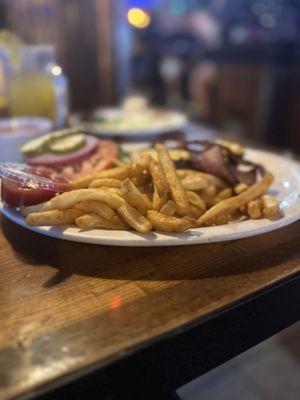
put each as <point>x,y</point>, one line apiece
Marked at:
<point>60,160</point>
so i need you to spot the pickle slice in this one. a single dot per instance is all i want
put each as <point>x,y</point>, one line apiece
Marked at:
<point>67,144</point>
<point>41,144</point>
<point>36,146</point>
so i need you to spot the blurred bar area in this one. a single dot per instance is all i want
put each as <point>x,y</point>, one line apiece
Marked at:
<point>230,65</point>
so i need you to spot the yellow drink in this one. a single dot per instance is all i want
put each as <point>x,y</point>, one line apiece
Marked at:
<point>32,93</point>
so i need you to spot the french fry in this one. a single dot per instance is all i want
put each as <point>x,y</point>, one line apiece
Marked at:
<point>159,180</point>
<point>209,196</point>
<point>142,182</point>
<point>196,200</point>
<point>146,188</point>
<point>120,173</point>
<point>140,165</point>
<point>69,199</point>
<point>211,179</point>
<point>225,193</point>
<point>112,190</point>
<point>134,218</point>
<point>178,194</point>
<point>194,182</point>
<point>167,223</point>
<point>96,207</point>
<point>240,187</point>
<point>254,209</point>
<point>158,202</point>
<point>138,174</point>
<point>210,191</point>
<point>196,212</point>
<point>270,206</point>
<point>183,172</point>
<point>53,217</point>
<point>243,209</point>
<point>256,190</point>
<point>169,208</point>
<point>94,221</point>
<point>228,206</point>
<point>106,182</point>
<point>221,219</point>
<point>215,199</point>
<point>26,210</point>
<point>134,197</point>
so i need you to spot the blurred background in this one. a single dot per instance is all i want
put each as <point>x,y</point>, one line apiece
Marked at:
<point>229,64</point>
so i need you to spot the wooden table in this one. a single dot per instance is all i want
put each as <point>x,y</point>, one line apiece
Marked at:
<point>136,320</point>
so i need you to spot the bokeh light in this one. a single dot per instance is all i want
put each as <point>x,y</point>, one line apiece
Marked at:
<point>56,70</point>
<point>115,303</point>
<point>178,7</point>
<point>138,18</point>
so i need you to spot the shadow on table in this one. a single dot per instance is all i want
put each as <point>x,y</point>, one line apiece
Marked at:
<point>180,263</point>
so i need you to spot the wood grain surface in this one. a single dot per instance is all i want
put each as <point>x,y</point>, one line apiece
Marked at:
<point>66,307</point>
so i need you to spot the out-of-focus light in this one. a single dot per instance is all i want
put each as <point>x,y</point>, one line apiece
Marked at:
<point>170,68</point>
<point>267,20</point>
<point>56,70</point>
<point>258,8</point>
<point>178,7</point>
<point>115,303</point>
<point>238,35</point>
<point>138,18</point>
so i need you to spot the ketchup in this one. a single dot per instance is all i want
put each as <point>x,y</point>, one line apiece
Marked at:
<point>22,185</point>
<point>16,196</point>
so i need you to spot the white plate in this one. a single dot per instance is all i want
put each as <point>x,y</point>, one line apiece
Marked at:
<point>286,188</point>
<point>173,121</point>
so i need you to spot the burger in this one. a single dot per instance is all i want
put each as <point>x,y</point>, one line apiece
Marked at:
<point>70,152</point>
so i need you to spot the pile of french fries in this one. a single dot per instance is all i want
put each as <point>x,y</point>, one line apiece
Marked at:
<point>151,194</point>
